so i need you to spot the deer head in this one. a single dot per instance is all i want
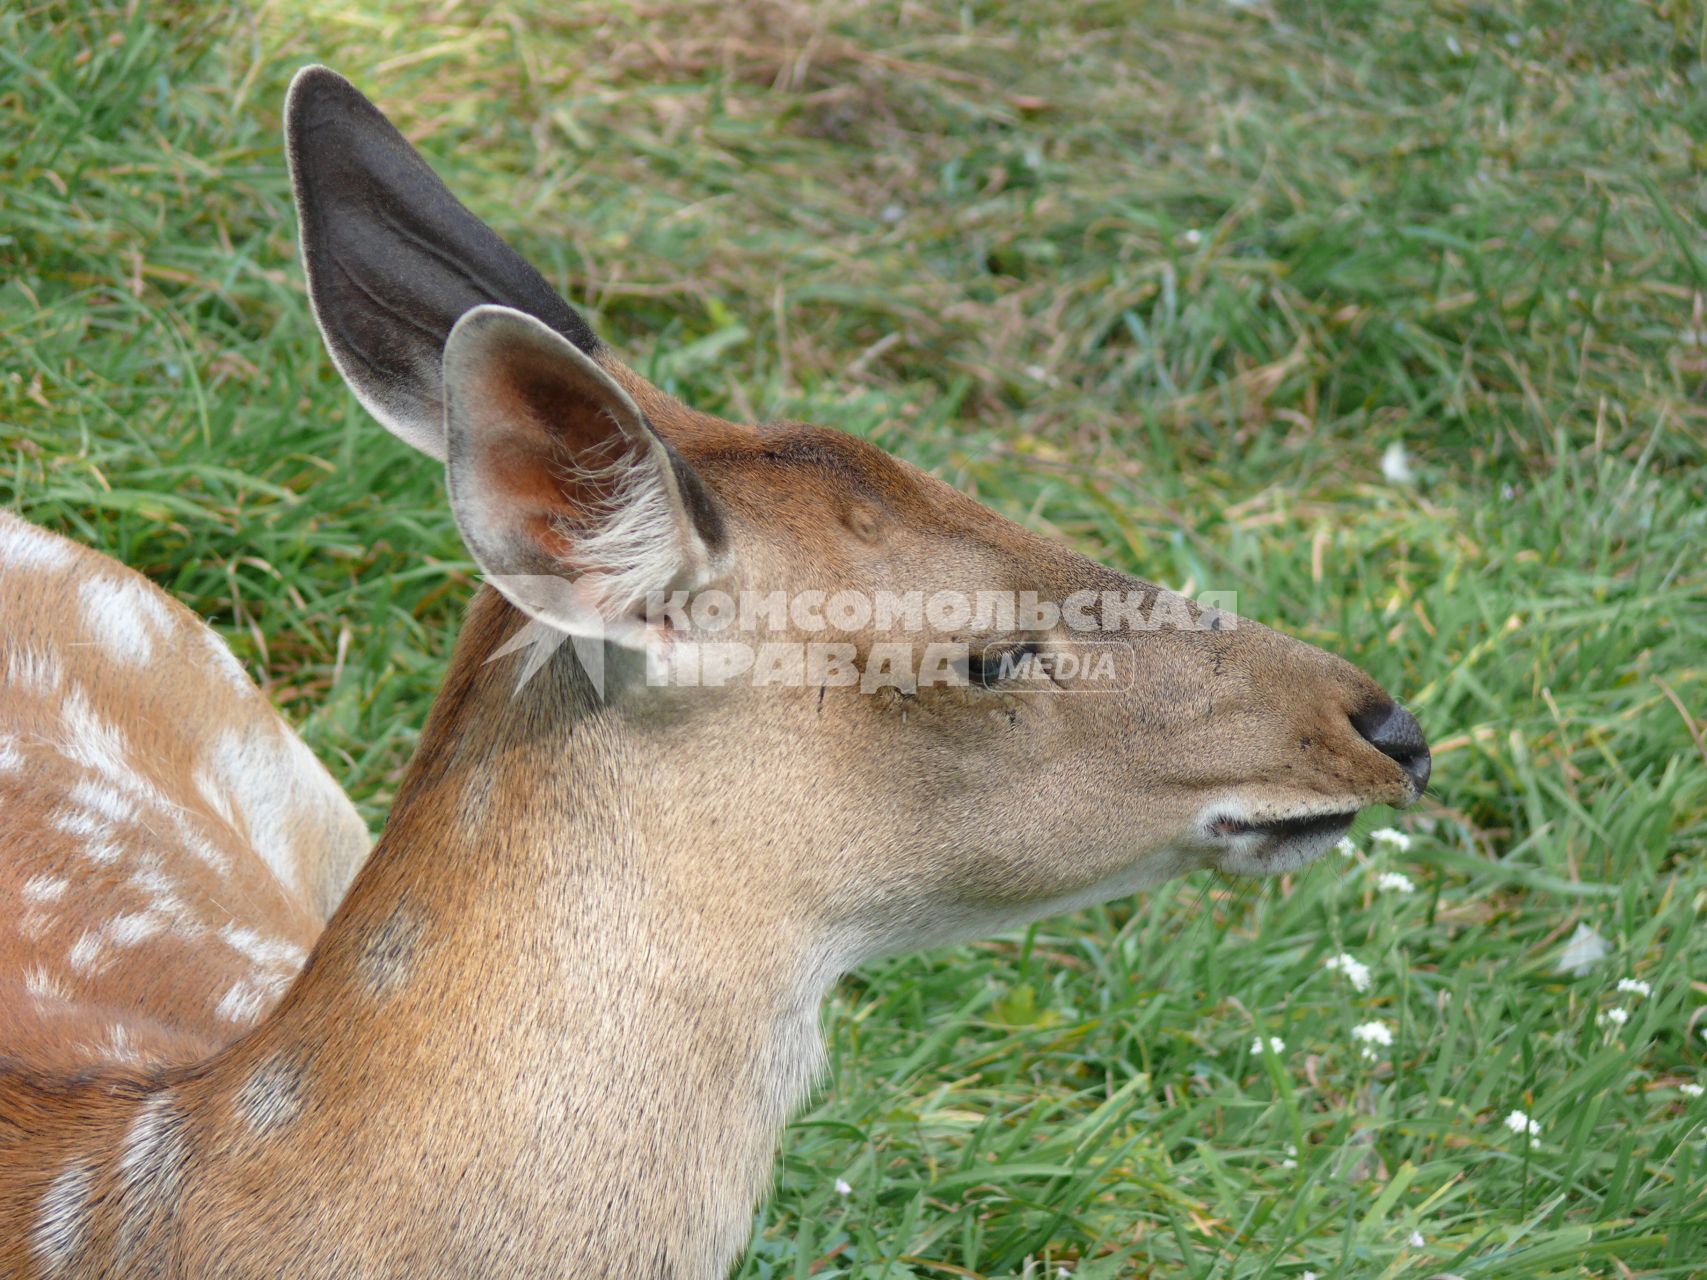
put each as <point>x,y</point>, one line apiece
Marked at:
<point>1151,737</point>
<point>739,707</point>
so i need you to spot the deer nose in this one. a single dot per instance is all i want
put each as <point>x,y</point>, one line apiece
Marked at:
<point>1395,733</point>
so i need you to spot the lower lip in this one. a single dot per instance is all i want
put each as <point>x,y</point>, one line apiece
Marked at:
<point>1328,826</point>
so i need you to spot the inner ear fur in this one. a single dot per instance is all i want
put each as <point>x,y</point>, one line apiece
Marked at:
<point>555,474</point>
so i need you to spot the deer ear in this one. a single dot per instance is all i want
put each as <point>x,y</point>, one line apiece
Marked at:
<point>393,259</point>
<point>572,505</point>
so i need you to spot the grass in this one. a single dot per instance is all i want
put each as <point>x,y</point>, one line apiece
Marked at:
<point>1163,279</point>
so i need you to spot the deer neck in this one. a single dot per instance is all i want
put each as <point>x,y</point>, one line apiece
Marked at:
<point>534,1024</point>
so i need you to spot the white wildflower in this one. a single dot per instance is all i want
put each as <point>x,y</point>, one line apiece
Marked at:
<point>1396,464</point>
<point>1372,1036</point>
<point>1635,986</point>
<point>1275,1045</point>
<point>1392,838</point>
<point>1356,972</point>
<point>1291,1161</point>
<point>1585,949</point>
<point>843,1187</point>
<point>1617,1017</point>
<point>1193,237</point>
<point>1517,1122</point>
<point>1394,882</point>
<point>1345,848</point>
<point>1691,1090</point>
<point>1416,1240</point>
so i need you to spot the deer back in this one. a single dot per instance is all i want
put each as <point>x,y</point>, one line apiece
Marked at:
<point>171,846</point>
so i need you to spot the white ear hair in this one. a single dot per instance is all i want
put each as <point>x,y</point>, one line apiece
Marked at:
<point>568,500</point>
<point>630,548</point>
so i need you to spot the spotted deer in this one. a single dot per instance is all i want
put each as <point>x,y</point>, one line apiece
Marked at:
<point>556,1024</point>
<point>169,849</point>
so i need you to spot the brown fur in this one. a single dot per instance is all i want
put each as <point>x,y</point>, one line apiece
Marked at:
<point>130,879</point>
<point>556,1025</point>
<point>558,1022</point>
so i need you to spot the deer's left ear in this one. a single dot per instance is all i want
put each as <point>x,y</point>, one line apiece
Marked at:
<point>569,501</point>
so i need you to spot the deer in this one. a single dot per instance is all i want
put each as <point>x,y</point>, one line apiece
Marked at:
<point>559,1018</point>
<point>163,886</point>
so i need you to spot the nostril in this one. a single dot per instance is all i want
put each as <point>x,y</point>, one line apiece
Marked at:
<point>1395,733</point>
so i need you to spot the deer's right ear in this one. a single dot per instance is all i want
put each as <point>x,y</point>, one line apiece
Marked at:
<point>393,259</point>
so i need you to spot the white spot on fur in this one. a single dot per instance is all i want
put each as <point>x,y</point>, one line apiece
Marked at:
<point>151,1166</point>
<point>11,759</point>
<point>272,1096</point>
<point>154,882</point>
<point>62,1219</point>
<point>33,671</point>
<point>90,740</point>
<point>208,784</point>
<point>248,998</point>
<point>118,1047</point>
<point>274,985</point>
<point>23,546</point>
<point>77,822</point>
<point>104,801</point>
<point>135,927</point>
<point>243,1003</point>
<point>98,843</point>
<point>163,900</point>
<point>86,953</point>
<point>44,889</point>
<point>149,1137</point>
<point>103,852</point>
<point>266,778</point>
<point>387,954</point>
<point>262,950</point>
<point>127,614</point>
<point>42,985</point>
<point>225,662</point>
<point>99,745</point>
<point>201,850</point>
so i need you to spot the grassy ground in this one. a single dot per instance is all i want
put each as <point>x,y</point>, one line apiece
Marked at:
<point>1166,279</point>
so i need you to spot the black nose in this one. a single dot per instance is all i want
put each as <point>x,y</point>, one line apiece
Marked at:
<point>1395,733</point>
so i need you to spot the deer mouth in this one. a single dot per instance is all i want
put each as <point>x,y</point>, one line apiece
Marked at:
<point>1322,826</point>
<point>1247,846</point>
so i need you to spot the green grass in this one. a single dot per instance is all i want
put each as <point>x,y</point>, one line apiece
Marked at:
<point>1164,279</point>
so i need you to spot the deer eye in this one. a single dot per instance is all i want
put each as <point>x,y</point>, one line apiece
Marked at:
<point>988,666</point>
